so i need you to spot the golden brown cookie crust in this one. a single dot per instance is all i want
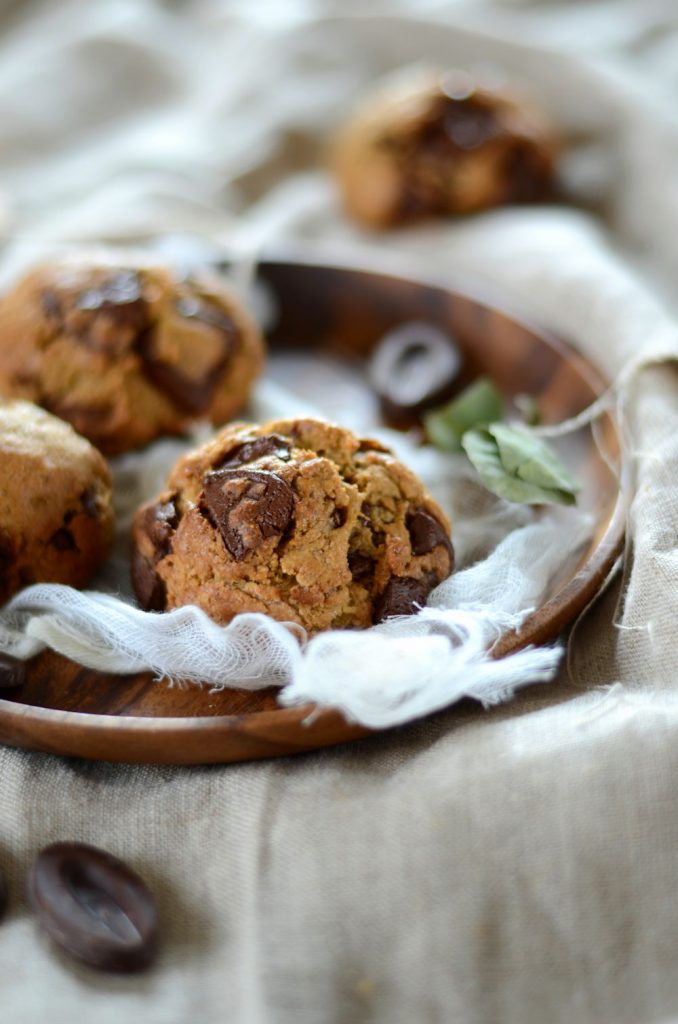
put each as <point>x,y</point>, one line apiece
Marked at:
<point>438,144</point>
<point>127,352</point>
<point>296,518</point>
<point>56,517</point>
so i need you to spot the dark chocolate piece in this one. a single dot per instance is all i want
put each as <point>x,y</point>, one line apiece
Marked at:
<point>426,533</point>
<point>403,595</point>
<point>90,504</point>
<point>94,907</point>
<point>247,506</point>
<point>63,540</point>
<point>159,523</point>
<point>250,451</point>
<point>361,566</point>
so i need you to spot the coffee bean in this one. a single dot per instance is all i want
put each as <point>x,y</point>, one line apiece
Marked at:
<point>413,369</point>
<point>250,451</point>
<point>403,595</point>
<point>247,506</point>
<point>94,907</point>
<point>426,533</point>
<point>12,671</point>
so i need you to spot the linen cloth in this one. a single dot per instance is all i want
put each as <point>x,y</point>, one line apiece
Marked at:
<point>518,865</point>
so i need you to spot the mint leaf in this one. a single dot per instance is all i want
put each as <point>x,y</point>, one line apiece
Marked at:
<point>519,466</point>
<point>481,403</point>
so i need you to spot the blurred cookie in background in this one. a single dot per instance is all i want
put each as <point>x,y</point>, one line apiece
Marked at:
<point>436,144</point>
<point>127,353</point>
<point>56,517</point>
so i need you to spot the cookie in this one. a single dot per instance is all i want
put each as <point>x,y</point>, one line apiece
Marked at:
<point>438,144</point>
<point>126,353</point>
<point>56,518</point>
<point>296,518</point>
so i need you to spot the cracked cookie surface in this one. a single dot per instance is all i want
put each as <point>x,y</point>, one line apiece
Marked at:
<point>296,518</point>
<point>438,144</point>
<point>126,353</point>
<point>56,518</point>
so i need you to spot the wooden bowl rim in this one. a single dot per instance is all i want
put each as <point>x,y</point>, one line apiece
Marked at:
<point>571,601</point>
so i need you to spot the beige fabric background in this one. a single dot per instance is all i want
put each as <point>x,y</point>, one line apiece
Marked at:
<point>515,866</point>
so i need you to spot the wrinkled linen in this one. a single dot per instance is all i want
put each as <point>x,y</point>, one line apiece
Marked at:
<point>516,865</point>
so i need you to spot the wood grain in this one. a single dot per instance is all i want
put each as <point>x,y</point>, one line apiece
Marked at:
<point>67,709</point>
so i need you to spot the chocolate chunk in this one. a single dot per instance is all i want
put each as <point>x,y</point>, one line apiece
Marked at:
<point>189,394</point>
<point>468,124</point>
<point>94,907</point>
<point>12,672</point>
<point>51,307</point>
<point>403,595</point>
<point>426,533</point>
<point>361,566</point>
<point>90,504</point>
<point>249,451</point>
<point>414,368</point>
<point>4,896</point>
<point>338,517</point>
<point>6,554</point>
<point>528,175</point>
<point>148,586</point>
<point>247,506</point>
<point>209,314</point>
<point>120,298</point>
<point>158,523</point>
<point>63,540</point>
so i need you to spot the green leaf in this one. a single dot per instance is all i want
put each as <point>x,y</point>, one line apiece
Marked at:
<point>518,466</point>
<point>481,403</point>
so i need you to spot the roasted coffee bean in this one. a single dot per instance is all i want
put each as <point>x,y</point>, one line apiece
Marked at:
<point>413,369</point>
<point>247,506</point>
<point>4,896</point>
<point>403,595</point>
<point>249,451</point>
<point>12,671</point>
<point>94,907</point>
<point>426,533</point>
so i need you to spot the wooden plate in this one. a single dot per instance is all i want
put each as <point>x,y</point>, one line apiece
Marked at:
<point>66,709</point>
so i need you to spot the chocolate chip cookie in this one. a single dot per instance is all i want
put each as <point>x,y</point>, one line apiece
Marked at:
<point>296,518</point>
<point>438,144</point>
<point>56,518</point>
<point>126,353</point>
